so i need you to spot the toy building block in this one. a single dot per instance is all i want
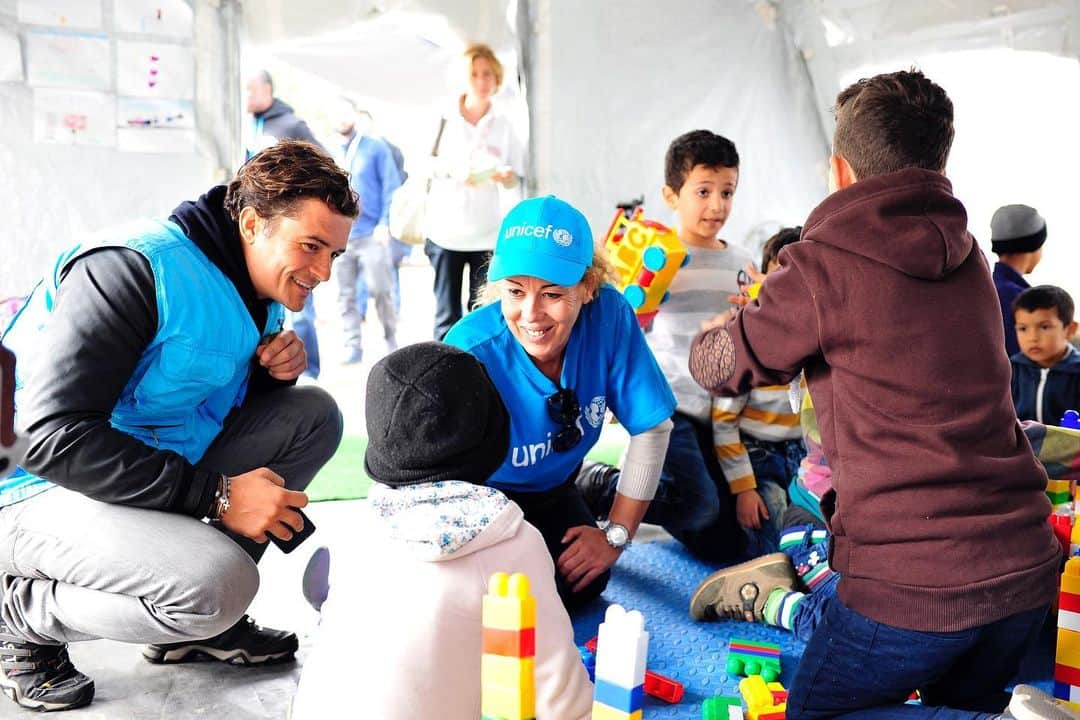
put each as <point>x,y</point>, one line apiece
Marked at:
<point>1067,655</point>
<point>658,686</point>
<point>507,666</point>
<point>1062,523</point>
<point>1060,493</point>
<point>621,649</point>
<point>589,658</point>
<point>1071,419</point>
<point>748,657</point>
<point>646,255</point>
<point>759,695</point>
<point>722,708</point>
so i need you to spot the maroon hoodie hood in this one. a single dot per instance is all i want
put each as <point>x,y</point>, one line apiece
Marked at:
<point>908,220</point>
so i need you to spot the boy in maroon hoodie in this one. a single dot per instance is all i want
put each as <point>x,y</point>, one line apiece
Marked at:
<point>938,509</point>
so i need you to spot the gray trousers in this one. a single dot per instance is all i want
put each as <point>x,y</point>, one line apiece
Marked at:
<point>364,255</point>
<point>77,569</point>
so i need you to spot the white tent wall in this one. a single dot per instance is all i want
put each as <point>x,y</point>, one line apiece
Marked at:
<point>50,194</point>
<point>612,82</point>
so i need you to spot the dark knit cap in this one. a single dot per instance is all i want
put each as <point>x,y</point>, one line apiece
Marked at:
<point>433,414</point>
<point>1016,229</point>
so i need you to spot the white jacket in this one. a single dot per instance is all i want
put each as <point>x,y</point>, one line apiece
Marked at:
<point>400,635</point>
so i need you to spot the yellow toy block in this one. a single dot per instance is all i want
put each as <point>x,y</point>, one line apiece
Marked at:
<point>508,604</point>
<point>758,696</point>
<point>506,671</point>
<point>645,255</point>
<point>600,711</point>
<point>1068,648</point>
<point>508,703</point>
<point>1070,579</point>
<point>1057,486</point>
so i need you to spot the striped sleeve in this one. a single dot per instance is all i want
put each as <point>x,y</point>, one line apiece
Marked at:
<point>768,415</point>
<point>730,451</point>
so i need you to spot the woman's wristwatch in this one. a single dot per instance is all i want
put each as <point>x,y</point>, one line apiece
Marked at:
<point>617,535</point>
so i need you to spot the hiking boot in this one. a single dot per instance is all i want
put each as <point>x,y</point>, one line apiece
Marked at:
<point>41,677</point>
<point>739,592</point>
<point>1031,703</point>
<point>596,482</point>
<point>245,643</point>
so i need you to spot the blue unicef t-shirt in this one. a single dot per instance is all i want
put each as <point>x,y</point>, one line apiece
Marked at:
<point>607,365</point>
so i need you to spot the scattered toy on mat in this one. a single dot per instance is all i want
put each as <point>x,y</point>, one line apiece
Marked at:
<point>722,708</point>
<point>749,657</point>
<point>764,701</point>
<point>621,649</point>
<point>658,686</point>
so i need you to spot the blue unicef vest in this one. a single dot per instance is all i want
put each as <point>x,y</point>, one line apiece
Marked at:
<point>195,369</point>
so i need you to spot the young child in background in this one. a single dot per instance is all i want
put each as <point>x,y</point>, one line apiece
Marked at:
<point>759,442</point>
<point>400,636</point>
<point>692,502</point>
<point>1017,234</point>
<point>1046,371</point>
<point>930,467</point>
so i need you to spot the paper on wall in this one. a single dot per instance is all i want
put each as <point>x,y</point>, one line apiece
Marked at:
<point>158,17</point>
<point>156,140</point>
<point>156,70</point>
<point>10,57</point>
<point>74,117</point>
<point>70,60</point>
<point>65,13</point>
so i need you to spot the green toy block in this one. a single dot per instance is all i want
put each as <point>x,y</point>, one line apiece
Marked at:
<point>749,657</point>
<point>722,708</point>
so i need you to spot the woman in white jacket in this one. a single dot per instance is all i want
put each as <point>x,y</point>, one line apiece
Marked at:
<point>401,630</point>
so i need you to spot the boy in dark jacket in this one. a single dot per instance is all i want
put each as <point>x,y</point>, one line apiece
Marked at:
<point>888,306</point>
<point>1046,371</point>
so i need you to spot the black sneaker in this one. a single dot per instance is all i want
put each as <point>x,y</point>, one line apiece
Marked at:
<point>41,677</point>
<point>596,482</point>
<point>245,643</point>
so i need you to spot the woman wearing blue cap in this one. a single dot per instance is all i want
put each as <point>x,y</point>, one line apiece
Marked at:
<point>562,348</point>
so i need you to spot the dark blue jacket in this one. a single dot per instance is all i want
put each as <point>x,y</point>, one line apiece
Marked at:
<point>1044,394</point>
<point>1009,284</point>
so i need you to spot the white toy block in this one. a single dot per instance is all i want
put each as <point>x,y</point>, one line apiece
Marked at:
<point>622,648</point>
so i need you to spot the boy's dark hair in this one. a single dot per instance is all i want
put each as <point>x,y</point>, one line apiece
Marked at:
<point>275,180</point>
<point>697,147</point>
<point>783,237</point>
<point>893,121</point>
<point>1045,297</point>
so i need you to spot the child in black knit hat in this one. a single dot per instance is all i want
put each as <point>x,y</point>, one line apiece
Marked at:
<point>401,630</point>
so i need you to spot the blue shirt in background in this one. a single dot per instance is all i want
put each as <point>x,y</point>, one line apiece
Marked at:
<point>373,174</point>
<point>607,365</point>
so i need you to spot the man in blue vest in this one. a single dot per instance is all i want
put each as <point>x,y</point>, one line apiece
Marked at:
<point>157,389</point>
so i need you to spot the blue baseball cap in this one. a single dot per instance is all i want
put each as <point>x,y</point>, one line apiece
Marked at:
<point>543,237</point>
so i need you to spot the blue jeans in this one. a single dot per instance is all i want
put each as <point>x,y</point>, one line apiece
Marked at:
<point>774,464</point>
<point>303,324</point>
<point>854,667</point>
<point>448,265</point>
<point>692,501</point>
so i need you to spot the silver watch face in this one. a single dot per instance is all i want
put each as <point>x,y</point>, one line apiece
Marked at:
<point>617,535</point>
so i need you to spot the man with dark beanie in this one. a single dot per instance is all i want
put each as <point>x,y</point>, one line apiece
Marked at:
<point>938,506</point>
<point>1017,234</point>
<point>402,625</point>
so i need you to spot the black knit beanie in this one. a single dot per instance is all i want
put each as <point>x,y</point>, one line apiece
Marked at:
<point>433,414</point>
<point>1016,229</point>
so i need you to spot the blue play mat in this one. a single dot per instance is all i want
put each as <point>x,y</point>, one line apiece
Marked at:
<point>658,579</point>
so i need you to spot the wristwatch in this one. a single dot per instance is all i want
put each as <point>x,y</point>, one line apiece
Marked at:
<point>617,535</point>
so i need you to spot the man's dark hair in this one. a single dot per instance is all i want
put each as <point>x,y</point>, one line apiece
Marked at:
<point>275,180</point>
<point>1045,297</point>
<point>773,245</point>
<point>893,121</point>
<point>263,76</point>
<point>697,147</point>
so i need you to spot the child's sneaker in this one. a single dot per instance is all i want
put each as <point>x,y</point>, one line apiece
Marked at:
<point>739,592</point>
<point>1031,703</point>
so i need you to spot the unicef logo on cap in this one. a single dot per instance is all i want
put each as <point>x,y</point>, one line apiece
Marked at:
<point>562,237</point>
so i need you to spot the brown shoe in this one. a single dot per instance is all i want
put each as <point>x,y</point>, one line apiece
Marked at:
<point>739,592</point>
